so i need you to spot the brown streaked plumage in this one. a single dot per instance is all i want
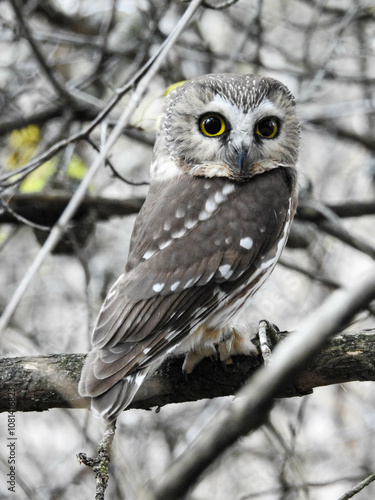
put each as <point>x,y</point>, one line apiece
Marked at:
<point>214,223</point>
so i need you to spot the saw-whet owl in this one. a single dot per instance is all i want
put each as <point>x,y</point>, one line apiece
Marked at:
<point>221,200</point>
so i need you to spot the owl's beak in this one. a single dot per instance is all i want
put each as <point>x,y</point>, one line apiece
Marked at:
<point>241,160</point>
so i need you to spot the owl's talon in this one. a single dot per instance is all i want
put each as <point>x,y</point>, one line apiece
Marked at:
<point>193,357</point>
<point>268,338</point>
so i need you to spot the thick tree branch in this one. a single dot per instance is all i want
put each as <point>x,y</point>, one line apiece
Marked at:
<point>44,382</point>
<point>45,209</point>
<point>35,206</point>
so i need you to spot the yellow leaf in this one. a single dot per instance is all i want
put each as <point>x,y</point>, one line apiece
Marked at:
<point>22,146</point>
<point>173,86</point>
<point>38,178</point>
<point>77,168</point>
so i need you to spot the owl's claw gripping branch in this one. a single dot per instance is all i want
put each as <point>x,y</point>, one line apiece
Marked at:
<point>268,338</point>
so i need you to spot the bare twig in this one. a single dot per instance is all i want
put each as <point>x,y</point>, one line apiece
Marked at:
<point>359,487</point>
<point>100,463</point>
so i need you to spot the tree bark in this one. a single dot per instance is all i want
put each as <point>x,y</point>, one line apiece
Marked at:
<point>43,382</point>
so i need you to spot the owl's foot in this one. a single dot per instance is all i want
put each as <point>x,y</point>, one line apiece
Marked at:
<point>268,338</point>
<point>193,357</point>
<point>238,342</point>
<point>230,341</point>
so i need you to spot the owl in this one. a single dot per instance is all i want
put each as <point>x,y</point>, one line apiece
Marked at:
<point>221,201</point>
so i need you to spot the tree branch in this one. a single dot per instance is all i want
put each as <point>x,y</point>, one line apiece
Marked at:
<point>44,382</point>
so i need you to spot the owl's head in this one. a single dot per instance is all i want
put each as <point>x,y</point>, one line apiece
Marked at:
<point>227,125</point>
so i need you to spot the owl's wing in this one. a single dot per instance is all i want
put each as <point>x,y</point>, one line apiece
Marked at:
<point>194,242</point>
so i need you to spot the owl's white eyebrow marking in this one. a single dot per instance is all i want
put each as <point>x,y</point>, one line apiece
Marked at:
<point>174,286</point>
<point>178,234</point>
<point>164,244</point>
<point>246,243</point>
<point>226,271</point>
<point>189,223</point>
<point>228,189</point>
<point>158,287</point>
<point>180,212</point>
<point>148,254</point>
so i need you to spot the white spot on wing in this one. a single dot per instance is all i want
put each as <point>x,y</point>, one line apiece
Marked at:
<point>174,286</point>
<point>219,197</point>
<point>158,287</point>
<point>164,244</point>
<point>204,215</point>
<point>189,283</point>
<point>210,205</point>
<point>178,234</point>
<point>189,223</point>
<point>148,254</point>
<point>180,212</point>
<point>226,271</point>
<point>228,189</point>
<point>167,225</point>
<point>146,350</point>
<point>246,243</point>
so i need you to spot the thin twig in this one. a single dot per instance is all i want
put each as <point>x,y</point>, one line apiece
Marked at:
<point>100,463</point>
<point>359,487</point>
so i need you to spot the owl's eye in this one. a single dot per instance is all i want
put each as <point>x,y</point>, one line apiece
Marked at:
<point>212,125</point>
<point>267,128</point>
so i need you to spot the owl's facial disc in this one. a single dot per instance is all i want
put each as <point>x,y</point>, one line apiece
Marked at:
<point>233,126</point>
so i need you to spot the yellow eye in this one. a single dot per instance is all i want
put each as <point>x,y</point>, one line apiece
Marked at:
<point>267,128</point>
<point>212,125</point>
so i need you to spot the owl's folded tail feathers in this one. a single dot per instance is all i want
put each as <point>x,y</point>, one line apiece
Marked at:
<point>109,396</point>
<point>112,402</point>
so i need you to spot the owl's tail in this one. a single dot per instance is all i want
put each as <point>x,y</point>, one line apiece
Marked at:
<point>110,404</point>
<point>110,392</point>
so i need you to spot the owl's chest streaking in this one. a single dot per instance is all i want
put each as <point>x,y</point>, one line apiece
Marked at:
<point>201,247</point>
